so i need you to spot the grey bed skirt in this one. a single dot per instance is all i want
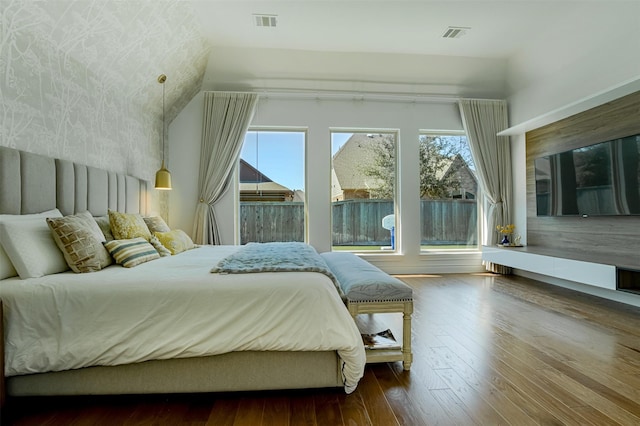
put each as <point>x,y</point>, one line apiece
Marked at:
<point>235,371</point>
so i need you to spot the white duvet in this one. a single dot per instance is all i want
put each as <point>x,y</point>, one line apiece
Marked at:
<point>172,307</point>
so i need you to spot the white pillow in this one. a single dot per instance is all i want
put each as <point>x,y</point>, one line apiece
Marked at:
<point>29,244</point>
<point>6,267</point>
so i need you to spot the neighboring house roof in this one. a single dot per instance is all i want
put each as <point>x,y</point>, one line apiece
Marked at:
<point>454,164</point>
<point>352,159</point>
<point>463,174</point>
<point>336,189</point>
<point>248,173</point>
<point>256,186</point>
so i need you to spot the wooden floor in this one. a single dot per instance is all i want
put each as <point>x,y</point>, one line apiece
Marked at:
<point>488,350</point>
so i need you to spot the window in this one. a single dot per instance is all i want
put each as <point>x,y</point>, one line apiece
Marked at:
<point>271,189</point>
<point>363,187</point>
<point>448,192</point>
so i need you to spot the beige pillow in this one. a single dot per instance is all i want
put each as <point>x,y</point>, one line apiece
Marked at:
<point>156,224</point>
<point>176,241</point>
<point>80,239</point>
<point>125,226</point>
<point>105,227</point>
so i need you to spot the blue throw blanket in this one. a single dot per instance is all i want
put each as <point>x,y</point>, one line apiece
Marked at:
<point>275,257</point>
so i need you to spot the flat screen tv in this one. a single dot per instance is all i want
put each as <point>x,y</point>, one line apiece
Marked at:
<point>596,180</point>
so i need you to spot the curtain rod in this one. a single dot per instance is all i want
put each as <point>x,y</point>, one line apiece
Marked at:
<point>356,96</point>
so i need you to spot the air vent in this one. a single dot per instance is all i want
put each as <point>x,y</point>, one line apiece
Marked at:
<point>455,32</point>
<point>269,21</point>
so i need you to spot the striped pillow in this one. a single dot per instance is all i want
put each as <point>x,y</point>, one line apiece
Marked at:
<point>133,252</point>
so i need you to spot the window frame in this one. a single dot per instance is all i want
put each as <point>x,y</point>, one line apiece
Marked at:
<point>236,177</point>
<point>478,199</point>
<point>396,188</point>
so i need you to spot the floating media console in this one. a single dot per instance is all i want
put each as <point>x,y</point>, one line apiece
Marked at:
<point>544,262</point>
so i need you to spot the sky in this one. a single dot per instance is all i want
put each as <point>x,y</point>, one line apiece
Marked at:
<point>280,155</point>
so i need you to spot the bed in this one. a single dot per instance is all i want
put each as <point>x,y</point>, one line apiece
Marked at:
<point>165,326</point>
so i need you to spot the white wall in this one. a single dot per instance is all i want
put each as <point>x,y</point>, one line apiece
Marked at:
<point>557,70</point>
<point>318,116</point>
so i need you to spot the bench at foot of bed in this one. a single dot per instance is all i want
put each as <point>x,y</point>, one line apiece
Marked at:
<point>369,290</point>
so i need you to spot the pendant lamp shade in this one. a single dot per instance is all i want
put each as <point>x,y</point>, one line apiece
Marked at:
<point>163,176</point>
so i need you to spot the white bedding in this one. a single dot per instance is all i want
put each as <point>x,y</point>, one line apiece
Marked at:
<point>172,307</point>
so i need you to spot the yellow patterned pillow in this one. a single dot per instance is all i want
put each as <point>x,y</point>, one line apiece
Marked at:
<point>176,241</point>
<point>160,248</point>
<point>126,226</point>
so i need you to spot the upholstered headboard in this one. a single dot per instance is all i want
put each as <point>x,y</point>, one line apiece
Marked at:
<point>33,183</point>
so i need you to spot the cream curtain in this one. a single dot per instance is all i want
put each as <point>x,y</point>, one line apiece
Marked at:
<point>226,117</point>
<point>482,120</point>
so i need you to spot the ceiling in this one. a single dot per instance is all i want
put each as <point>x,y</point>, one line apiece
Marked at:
<point>498,29</point>
<point>396,46</point>
<point>392,47</point>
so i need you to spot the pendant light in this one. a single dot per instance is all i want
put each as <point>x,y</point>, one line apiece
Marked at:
<point>163,177</point>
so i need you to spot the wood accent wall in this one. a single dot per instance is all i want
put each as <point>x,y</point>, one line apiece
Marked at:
<point>612,240</point>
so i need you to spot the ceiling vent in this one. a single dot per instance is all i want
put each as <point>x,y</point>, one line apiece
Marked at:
<point>455,32</point>
<point>268,21</point>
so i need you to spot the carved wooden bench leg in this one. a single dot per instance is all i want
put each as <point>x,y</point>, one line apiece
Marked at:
<point>407,355</point>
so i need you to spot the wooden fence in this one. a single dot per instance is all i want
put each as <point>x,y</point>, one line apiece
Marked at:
<point>271,221</point>
<point>359,222</point>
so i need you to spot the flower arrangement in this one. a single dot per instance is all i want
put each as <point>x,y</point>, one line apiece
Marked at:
<point>506,230</point>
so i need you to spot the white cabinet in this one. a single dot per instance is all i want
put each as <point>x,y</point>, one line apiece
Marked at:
<point>596,274</point>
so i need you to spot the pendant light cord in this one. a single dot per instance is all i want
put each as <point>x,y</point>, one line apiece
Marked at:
<point>161,79</point>
<point>163,125</point>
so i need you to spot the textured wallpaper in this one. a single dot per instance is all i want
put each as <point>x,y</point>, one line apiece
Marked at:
<point>78,78</point>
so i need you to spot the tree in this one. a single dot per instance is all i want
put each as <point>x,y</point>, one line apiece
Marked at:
<point>440,158</point>
<point>382,167</point>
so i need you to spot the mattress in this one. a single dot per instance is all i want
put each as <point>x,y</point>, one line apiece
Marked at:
<point>172,307</point>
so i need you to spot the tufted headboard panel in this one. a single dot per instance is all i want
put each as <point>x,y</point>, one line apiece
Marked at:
<point>32,183</point>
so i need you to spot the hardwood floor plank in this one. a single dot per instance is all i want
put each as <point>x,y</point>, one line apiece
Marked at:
<point>277,411</point>
<point>453,408</point>
<point>424,403</point>
<point>198,409</point>
<point>224,411</point>
<point>375,400</point>
<point>595,416</point>
<point>250,411</point>
<point>397,397</point>
<point>144,413</point>
<point>353,409</point>
<point>328,410</point>
<point>474,404</point>
<point>303,410</point>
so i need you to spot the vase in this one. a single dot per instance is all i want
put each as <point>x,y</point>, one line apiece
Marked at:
<point>505,240</point>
